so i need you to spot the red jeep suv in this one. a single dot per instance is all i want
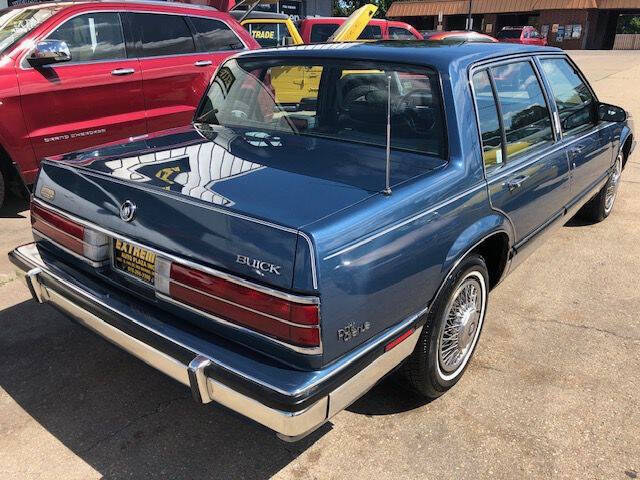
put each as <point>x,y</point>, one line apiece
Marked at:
<point>74,75</point>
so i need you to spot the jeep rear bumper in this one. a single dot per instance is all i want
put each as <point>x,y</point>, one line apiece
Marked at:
<point>291,402</point>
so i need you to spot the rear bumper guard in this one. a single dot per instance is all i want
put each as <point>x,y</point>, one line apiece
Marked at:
<point>289,425</point>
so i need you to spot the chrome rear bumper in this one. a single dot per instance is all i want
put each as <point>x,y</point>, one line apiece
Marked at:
<point>191,367</point>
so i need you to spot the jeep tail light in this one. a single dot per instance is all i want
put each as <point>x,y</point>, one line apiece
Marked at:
<point>68,234</point>
<point>285,320</point>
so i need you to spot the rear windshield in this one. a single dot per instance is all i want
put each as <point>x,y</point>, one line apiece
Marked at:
<point>345,101</point>
<point>15,23</point>
<point>320,32</point>
<point>509,33</point>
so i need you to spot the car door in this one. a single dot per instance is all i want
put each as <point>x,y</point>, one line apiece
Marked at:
<point>94,98</point>
<point>587,141</point>
<point>527,171</point>
<point>175,72</point>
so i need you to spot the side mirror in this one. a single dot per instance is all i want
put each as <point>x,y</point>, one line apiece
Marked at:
<point>611,113</point>
<point>288,41</point>
<point>47,52</point>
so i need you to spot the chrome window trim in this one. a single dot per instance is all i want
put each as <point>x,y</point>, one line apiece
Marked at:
<point>311,300</point>
<point>24,65</point>
<point>304,350</point>
<point>406,221</point>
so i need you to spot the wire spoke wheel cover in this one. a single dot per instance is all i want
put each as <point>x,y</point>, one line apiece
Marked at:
<point>461,326</point>
<point>614,183</point>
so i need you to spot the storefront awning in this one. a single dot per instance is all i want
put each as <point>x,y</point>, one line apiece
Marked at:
<point>420,8</point>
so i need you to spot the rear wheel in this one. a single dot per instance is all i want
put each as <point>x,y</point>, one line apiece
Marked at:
<point>451,332</point>
<point>600,206</point>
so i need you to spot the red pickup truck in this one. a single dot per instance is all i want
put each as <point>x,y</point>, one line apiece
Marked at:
<point>319,29</point>
<point>74,75</point>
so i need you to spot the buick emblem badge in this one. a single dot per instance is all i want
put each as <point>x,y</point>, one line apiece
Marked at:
<point>127,211</point>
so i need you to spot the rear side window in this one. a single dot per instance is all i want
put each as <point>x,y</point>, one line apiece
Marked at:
<point>398,33</point>
<point>214,36</point>
<point>320,32</point>
<point>371,32</point>
<point>488,119</point>
<point>575,102</point>
<point>92,37</point>
<point>164,35</point>
<point>525,116</point>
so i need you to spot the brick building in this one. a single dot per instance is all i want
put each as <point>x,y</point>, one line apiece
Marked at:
<point>570,24</point>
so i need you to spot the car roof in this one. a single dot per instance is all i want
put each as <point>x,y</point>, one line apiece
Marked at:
<point>416,52</point>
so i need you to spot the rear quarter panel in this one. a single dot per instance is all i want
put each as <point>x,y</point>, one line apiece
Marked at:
<point>384,261</point>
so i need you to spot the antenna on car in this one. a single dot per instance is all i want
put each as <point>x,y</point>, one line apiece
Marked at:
<point>387,188</point>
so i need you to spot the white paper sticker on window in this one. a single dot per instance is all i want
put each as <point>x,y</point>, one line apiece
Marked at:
<point>499,155</point>
<point>94,36</point>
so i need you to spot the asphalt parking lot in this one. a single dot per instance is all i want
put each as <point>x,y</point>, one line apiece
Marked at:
<point>552,391</point>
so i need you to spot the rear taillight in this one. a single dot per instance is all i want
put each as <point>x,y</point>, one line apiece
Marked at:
<point>69,234</point>
<point>292,322</point>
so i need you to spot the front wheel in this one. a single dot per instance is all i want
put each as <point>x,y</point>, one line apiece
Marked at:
<point>451,332</point>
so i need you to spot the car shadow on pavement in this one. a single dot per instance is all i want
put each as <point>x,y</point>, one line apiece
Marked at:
<point>388,397</point>
<point>13,207</point>
<point>118,415</point>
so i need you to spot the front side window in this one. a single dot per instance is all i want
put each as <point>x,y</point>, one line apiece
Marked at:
<point>398,33</point>
<point>371,32</point>
<point>575,102</point>
<point>488,120</point>
<point>346,102</point>
<point>16,23</point>
<point>92,37</point>
<point>215,36</point>
<point>164,35</point>
<point>525,115</point>
<point>320,32</point>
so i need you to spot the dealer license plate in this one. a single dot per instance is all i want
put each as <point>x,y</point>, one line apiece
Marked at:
<point>135,261</point>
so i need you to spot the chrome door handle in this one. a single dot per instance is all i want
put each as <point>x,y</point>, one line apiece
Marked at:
<point>576,150</point>
<point>122,71</point>
<point>203,63</point>
<point>515,183</point>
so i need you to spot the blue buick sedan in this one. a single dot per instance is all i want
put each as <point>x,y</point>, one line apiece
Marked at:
<point>307,236</point>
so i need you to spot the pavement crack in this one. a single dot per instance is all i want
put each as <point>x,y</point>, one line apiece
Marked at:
<point>585,327</point>
<point>114,433</point>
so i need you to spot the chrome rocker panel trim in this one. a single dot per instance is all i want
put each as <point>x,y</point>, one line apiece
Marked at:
<point>290,426</point>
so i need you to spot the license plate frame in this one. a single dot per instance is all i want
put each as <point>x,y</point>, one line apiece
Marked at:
<point>136,267</point>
